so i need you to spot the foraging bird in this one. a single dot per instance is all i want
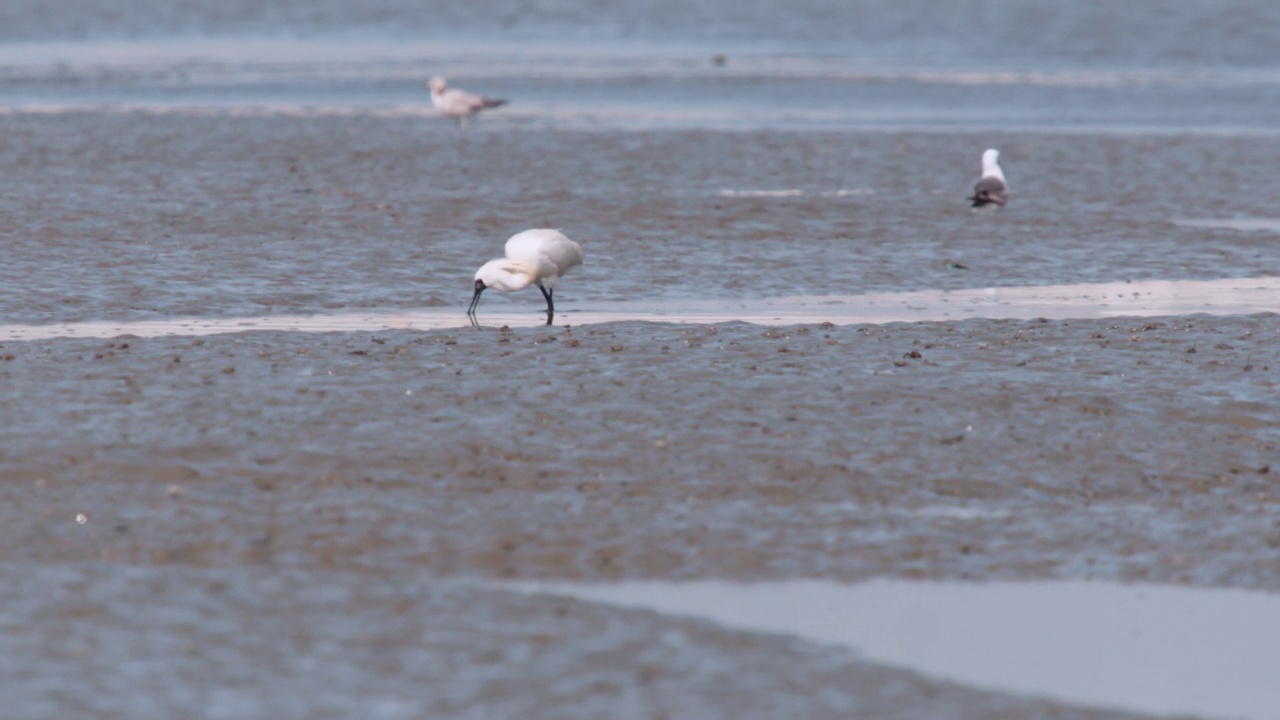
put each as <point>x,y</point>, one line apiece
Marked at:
<point>991,188</point>
<point>533,257</point>
<point>458,104</point>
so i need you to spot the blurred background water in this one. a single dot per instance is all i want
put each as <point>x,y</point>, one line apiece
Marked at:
<point>1142,66</point>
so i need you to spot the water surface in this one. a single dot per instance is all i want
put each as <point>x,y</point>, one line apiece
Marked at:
<point>1145,648</point>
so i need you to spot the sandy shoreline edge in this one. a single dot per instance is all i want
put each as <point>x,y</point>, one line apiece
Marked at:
<point>1227,296</point>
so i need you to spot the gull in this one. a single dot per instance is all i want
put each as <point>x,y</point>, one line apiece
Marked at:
<point>533,257</point>
<point>991,188</point>
<point>458,104</point>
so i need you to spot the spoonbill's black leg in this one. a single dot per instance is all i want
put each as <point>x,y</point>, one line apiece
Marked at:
<point>551,306</point>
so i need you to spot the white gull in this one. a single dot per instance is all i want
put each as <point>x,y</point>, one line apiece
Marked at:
<point>991,188</point>
<point>458,104</point>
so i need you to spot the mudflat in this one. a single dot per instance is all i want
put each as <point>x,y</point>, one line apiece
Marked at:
<point>284,499</point>
<point>292,524</point>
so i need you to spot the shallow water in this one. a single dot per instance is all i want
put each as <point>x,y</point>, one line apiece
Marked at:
<point>123,217</point>
<point>1147,67</point>
<point>628,86</point>
<point>1157,649</point>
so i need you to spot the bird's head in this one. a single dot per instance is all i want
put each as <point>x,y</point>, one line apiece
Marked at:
<point>475,297</point>
<point>502,274</point>
<point>437,84</point>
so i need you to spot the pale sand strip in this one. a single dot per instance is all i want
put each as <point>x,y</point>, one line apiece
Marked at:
<point>1156,298</point>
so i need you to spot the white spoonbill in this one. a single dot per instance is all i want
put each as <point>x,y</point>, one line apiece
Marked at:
<point>991,188</point>
<point>458,104</point>
<point>533,257</point>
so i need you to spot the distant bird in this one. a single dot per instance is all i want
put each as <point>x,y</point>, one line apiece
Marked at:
<point>991,188</point>
<point>533,257</point>
<point>458,104</point>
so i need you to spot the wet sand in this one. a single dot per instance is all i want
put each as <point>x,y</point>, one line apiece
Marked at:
<point>133,216</point>
<point>649,449</point>
<point>282,523</point>
<point>326,489</point>
<point>1228,296</point>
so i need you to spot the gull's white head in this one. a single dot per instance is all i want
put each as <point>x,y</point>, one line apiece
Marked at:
<point>437,83</point>
<point>991,164</point>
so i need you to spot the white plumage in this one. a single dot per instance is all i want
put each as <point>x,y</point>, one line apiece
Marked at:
<point>991,188</point>
<point>458,104</point>
<point>533,257</point>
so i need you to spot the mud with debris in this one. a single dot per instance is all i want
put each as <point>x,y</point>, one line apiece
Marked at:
<point>288,517</point>
<point>284,524</point>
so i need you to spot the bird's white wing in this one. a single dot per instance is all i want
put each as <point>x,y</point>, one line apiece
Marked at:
<point>458,102</point>
<point>548,250</point>
<point>565,253</point>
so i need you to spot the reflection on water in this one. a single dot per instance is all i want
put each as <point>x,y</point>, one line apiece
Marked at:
<point>1232,296</point>
<point>1245,224</point>
<point>1148,648</point>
